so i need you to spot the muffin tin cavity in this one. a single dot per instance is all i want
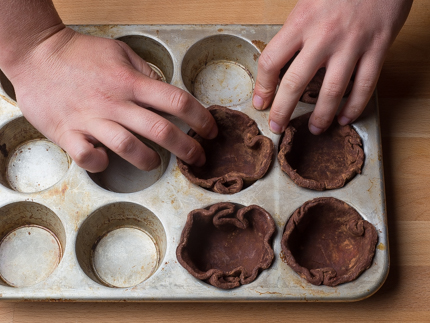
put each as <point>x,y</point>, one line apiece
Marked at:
<point>122,177</point>
<point>7,86</point>
<point>227,244</point>
<point>121,245</point>
<point>327,242</point>
<point>28,161</point>
<point>326,161</point>
<point>235,159</point>
<point>221,70</point>
<point>154,53</point>
<point>32,240</point>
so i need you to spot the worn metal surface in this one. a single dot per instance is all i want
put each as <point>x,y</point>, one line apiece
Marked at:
<point>88,214</point>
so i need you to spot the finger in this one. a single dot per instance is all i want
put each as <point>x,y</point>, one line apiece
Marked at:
<point>139,63</point>
<point>125,144</point>
<point>366,76</point>
<point>276,54</point>
<point>161,131</point>
<point>292,85</point>
<point>82,151</point>
<point>170,99</point>
<point>339,70</point>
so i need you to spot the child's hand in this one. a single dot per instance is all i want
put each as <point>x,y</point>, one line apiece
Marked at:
<point>339,35</point>
<point>81,90</point>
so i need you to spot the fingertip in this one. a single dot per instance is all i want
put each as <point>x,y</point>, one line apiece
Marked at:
<point>213,132</point>
<point>207,126</point>
<point>201,160</point>
<point>92,159</point>
<point>139,63</point>
<point>315,130</point>
<point>150,162</point>
<point>195,155</point>
<point>83,152</point>
<point>154,75</point>
<point>257,102</point>
<point>101,159</point>
<point>343,120</point>
<point>276,128</point>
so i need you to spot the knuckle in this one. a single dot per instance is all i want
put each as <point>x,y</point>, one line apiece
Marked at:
<point>332,90</point>
<point>265,90</point>
<point>123,143</point>
<point>266,63</point>
<point>125,75</point>
<point>278,114</point>
<point>162,131</point>
<point>180,101</point>
<point>365,85</point>
<point>353,111</point>
<point>327,28</point>
<point>292,82</point>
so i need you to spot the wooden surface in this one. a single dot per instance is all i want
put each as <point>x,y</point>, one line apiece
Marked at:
<point>404,97</point>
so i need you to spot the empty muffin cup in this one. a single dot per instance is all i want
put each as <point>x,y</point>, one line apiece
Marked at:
<point>121,245</point>
<point>235,159</point>
<point>154,53</point>
<point>122,177</point>
<point>28,161</point>
<point>227,245</point>
<point>326,161</point>
<point>32,240</point>
<point>221,70</point>
<point>326,241</point>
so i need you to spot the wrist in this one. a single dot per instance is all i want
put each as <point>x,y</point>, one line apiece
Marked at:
<point>41,46</point>
<point>24,24</point>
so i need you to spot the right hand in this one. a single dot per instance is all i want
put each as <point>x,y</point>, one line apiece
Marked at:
<point>81,90</point>
<point>341,36</point>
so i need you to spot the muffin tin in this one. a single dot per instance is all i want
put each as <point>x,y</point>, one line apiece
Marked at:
<point>68,235</point>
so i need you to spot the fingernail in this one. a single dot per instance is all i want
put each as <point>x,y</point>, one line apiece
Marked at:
<point>257,102</point>
<point>201,161</point>
<point>315,130</point>
<point>344,121</point>
<point>274,127</point>
<point>214,132</point>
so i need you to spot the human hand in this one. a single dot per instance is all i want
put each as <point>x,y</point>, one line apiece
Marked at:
<point>342,36</point>
<point>80,90</point>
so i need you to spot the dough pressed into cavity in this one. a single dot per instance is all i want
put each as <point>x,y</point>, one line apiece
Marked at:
<point>327,242</point>
<point>326,161</point>
<point>235,159</point>
<point>227,245</point>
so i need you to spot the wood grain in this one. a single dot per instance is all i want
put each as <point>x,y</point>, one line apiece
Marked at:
<point>174,11</point>
<point>404,93</point>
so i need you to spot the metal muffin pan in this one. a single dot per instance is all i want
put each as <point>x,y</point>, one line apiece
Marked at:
<point>69,235</point>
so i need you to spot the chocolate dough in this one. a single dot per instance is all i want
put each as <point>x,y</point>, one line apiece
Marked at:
<point>326,161</point>
<point>327,242</point>
<point>227,245</point>
<point>236,158</point>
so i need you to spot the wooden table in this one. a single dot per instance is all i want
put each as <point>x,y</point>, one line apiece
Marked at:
<point>404,98</point>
